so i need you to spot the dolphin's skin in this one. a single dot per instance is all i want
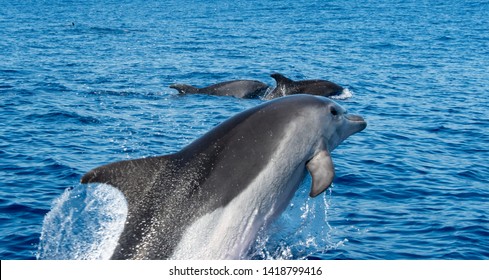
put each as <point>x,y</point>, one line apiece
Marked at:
<point>209,200</point>
<point>286,86</point>
<point>237,88</point>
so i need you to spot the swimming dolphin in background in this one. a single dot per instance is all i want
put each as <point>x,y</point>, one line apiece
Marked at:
<point>209,200</point>
<point>237,88</point>
<point>286,86</point>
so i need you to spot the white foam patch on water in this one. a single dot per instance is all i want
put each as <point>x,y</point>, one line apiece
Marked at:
<point>345,94</point>
<point>84,223</point>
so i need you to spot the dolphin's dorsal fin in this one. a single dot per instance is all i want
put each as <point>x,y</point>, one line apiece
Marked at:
<point>183,88</point>
<point>281,79</point>
<point>321,169</point>
<point>129,176</point>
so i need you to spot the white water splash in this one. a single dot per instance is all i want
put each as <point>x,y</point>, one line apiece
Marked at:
<point>84,223</point>
<point>345,94</point>
<point>302,230</point>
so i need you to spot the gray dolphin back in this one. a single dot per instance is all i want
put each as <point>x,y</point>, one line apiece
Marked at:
<point>236,88</point>
<point>166,194</point>
<point>285,86</point>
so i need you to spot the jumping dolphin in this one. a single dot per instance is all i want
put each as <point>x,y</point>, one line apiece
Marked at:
<point>237,88</point>
<point>209,200</point>
<point>286,86</point>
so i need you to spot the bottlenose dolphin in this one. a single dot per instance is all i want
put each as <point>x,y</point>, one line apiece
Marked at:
<point>286,86</point>
<point>236,88</point>
<point>209,200</point>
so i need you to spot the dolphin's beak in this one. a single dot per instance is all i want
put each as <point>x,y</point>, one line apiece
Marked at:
<point>357,120</point>
<point>354,118</point>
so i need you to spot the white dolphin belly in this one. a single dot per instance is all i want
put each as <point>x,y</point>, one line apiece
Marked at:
<point>228,232</point>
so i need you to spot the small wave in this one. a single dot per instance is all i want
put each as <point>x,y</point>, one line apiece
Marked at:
<point>15,207</point>
<point>64,116</point>
<point>407,66</point>
<point>10,71</point>
<point>48,86</point>
<point>84,223</point>
<point>55,168</point>
<point>108,30</point>
<point>445,38</point>
<point>122,93</point>
<point>384,46</point>
<point>101,30</point>
<point>437,128</point>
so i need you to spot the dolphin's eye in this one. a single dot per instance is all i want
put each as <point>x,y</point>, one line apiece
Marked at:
<point>334,112</point>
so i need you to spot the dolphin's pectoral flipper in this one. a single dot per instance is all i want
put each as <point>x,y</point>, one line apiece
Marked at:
<point>129,176</point>
<point>321,169</point>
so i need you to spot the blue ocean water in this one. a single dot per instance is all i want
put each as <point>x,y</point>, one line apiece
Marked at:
<point>85,83</point>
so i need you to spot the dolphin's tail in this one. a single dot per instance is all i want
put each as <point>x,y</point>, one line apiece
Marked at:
<point>145,183</point>
<point>129,176</point>
<point>183,88</point>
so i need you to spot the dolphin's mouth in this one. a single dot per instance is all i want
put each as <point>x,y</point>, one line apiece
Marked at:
<point>357,120</point>
<point>354,118</point>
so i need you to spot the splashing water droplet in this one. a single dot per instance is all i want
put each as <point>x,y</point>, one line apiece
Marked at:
<point>85,222</point>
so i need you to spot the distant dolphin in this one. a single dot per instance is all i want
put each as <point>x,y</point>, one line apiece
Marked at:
<point>209,200</point>
<point>286,86</point>
<point>237,88</point>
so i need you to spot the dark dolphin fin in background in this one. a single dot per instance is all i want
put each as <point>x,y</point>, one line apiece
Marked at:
<point>286,86</point>
<point>281,79</point>
<point>282,87</point>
